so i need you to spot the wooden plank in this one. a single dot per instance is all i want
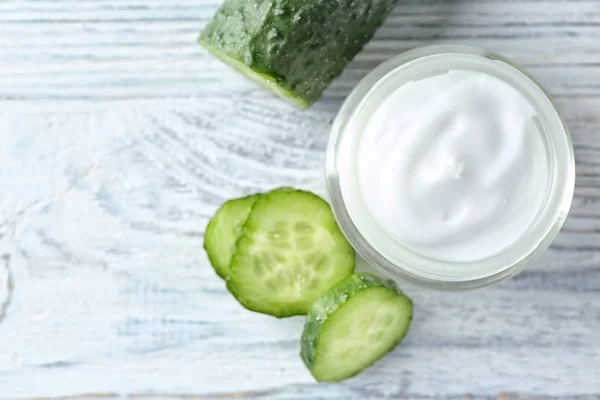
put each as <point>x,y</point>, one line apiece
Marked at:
<point>119,137</point>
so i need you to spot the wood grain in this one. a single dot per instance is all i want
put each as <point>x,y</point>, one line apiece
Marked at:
<point>119,137</point>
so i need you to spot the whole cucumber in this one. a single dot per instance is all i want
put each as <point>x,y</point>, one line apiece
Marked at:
<point>296,48</point>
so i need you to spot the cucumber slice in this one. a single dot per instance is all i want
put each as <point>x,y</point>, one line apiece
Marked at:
<point>290,251</point>
<point>352,325</point>
<point>223,230</point>
<point>293,47</point>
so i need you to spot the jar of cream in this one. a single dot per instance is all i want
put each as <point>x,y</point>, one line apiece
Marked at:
<point>450,168</point>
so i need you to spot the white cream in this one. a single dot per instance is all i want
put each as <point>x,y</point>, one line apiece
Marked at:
<point>452,166</point>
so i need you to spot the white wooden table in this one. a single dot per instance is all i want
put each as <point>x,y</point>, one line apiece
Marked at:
<point>119,136</point>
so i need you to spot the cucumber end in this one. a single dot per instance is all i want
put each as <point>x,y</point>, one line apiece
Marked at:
<point>262,79</point>
<point>212,257</point>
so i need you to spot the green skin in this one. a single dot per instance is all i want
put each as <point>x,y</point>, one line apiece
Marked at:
<point>294,47</point>
<point>333,300</point>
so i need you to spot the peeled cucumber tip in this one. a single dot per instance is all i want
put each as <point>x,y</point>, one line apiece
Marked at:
<point>262,79</point>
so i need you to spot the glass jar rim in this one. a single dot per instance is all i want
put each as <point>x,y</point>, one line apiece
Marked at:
<point>562,184</point>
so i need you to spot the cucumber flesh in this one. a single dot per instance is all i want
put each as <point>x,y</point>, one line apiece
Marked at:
<point>353,325</point>
<point>263,79</point>
<point>223,230</point>
<point>294,47</point>
<point>290,251</point>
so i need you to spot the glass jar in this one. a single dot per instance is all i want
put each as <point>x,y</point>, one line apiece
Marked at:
<point>389,256</point>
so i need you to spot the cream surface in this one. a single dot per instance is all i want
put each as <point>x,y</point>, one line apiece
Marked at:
<point>452,166</point>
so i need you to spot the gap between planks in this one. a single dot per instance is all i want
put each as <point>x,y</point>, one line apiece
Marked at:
<point>269,393</point>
